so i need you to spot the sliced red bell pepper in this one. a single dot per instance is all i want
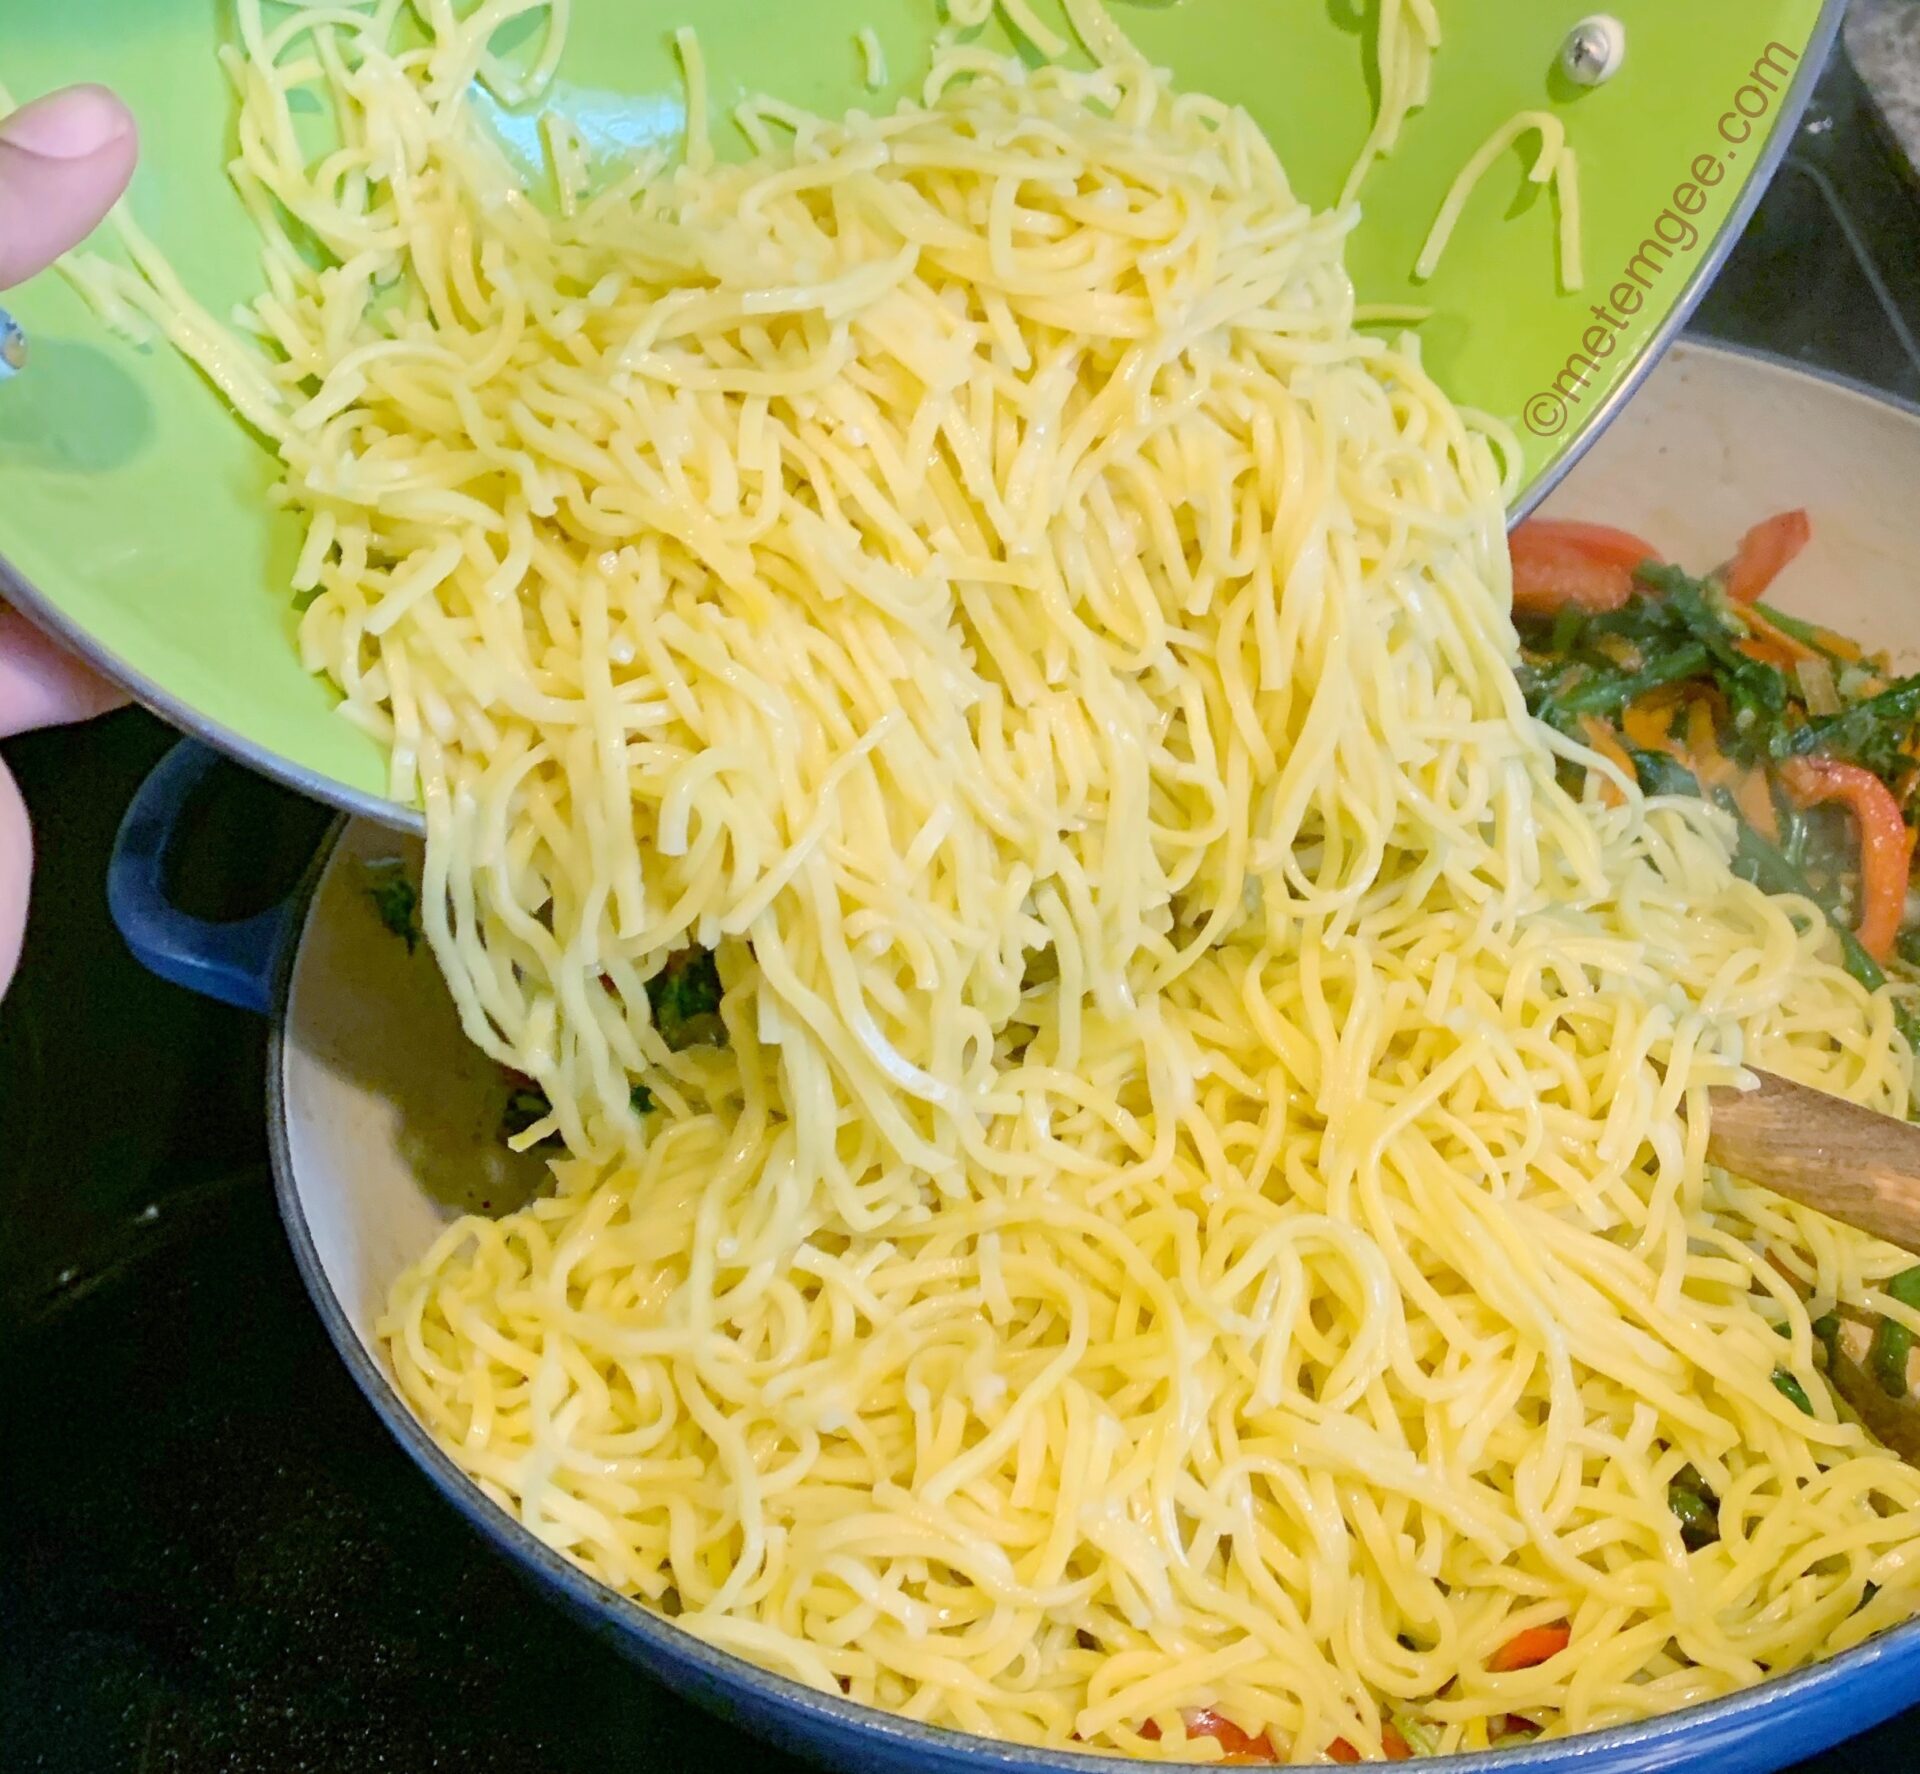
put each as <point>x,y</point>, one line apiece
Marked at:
<point>1557,563</point>
<point>1886,846</point>
<point>1533,1645</point>
<point>1396,1746</point>
<point>1764,552</point>
<point>1237,1749</point>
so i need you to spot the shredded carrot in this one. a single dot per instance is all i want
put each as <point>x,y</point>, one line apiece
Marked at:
<point>1340,1750</point>
<point>1700,735</point>
<point>1771,642</point>
<point>1762,654</point>
<point>1601,737</point>
<point>1886,845</point>
<point>1778,1265</point>
<point>1753,795</point>
<point>1533,1645</point>
<point>1712,768</point>
<point>1703,743</point>
<point>1648,724</point>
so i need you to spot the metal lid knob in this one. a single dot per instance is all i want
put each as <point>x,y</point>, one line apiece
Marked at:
<point>1594,50</point>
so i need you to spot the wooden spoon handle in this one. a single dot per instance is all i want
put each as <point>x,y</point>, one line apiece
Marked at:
<point>1853,1164</point>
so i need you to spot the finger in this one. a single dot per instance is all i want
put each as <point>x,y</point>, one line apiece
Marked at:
<point>64,159</point>
<point>16,862</point>
<point>42,684</point>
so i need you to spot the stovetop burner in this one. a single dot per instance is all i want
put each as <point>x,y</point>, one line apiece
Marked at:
<point>215,1562</point>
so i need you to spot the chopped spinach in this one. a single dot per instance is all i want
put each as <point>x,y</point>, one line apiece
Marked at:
<point>1661,774</point>
<point>1803,632</point>
<point>395,899</point>
<point>1678,631</point>
<point>685,999</point>
<point>1672,630</point>
<point>685,996</point>
<point>527,1105</point>
<point>1826,1328</point>
<point>1873,733</point>
<point>1789,1388</point>
<point>1608,692</point>
<point>1696,1506</point>
<point>1755,860</point>
<point>1893,1343</point>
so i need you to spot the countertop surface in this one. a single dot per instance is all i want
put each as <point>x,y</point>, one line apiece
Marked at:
<point>214,1560</point>
<point>1883,42</point>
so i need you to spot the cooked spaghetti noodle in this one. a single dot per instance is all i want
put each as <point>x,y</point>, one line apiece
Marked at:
<point>1405,35</point>
<point>1554,163</point>
<point>1195,1210</point>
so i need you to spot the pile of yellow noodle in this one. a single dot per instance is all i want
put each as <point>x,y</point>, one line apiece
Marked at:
<point>1195,1210</point>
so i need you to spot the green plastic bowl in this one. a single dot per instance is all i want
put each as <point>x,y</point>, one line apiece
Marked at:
<point>135,522</point>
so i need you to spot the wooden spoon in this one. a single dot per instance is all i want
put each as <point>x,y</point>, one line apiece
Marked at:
<point>1855,1165</point>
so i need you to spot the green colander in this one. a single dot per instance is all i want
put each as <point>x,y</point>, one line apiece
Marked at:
<point>133,511</point>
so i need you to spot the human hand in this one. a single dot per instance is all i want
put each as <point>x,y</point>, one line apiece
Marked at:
<point>64,159</point>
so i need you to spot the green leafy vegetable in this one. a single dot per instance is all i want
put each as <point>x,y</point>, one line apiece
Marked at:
<point>1887,1357</point>
<point>1675,629</point>
<point>1893,1343</point>
<point>1790,1389</point>
<point>1803,632</point>
<point>1661,774</point>
<point>527,1106</point>
<point>685,999</point>
<point>1567,627</point>
<point>1762,863</point>
<point>1872,733</point>
<point>395,900</point>
<point>1680,631</point>
<point>685,996</point>
<point>1608,692</point>
<point>1826,1329</point>
<point>1697,1507</point>
<point>1755,860</point>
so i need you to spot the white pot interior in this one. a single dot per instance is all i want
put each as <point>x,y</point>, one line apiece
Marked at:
<point>392,1117</point>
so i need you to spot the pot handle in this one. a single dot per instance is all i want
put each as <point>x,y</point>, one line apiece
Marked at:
<point>231,963</point>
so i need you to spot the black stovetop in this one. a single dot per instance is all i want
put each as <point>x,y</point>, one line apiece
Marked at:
<point>213,1560</point>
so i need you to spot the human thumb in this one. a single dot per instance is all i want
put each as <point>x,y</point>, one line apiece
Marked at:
<point>64,159</point>
<point>16,857</point>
